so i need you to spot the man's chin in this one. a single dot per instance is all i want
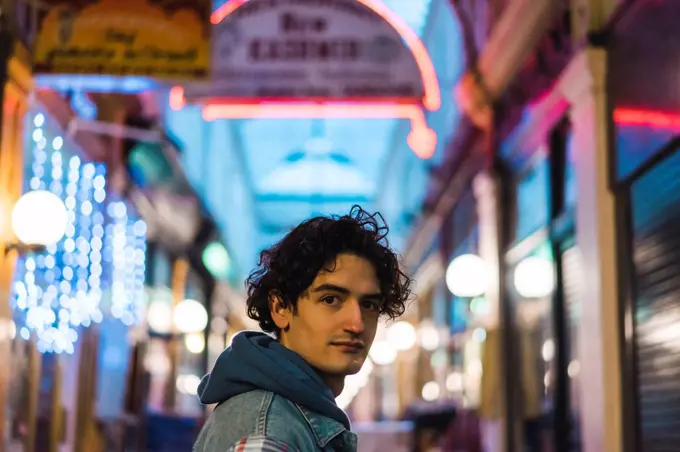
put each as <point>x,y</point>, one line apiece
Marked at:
<point>344,369</point>
<point>354,367</point>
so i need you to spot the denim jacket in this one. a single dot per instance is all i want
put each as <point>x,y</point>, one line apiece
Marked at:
<point>261,420</point>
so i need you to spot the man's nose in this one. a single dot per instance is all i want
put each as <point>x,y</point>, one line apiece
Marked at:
<point>354,317</point>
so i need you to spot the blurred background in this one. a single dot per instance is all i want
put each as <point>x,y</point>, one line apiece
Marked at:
<point>523,152</point>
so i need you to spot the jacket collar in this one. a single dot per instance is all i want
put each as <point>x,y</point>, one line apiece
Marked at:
<point>326,430</point>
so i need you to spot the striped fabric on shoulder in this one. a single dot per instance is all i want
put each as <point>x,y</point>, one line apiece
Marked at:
<point>261,444</point>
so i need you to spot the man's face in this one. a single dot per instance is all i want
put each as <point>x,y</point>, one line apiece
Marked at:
<point>336,318</point>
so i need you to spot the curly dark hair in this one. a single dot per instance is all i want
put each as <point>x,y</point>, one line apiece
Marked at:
<point>289,267</point>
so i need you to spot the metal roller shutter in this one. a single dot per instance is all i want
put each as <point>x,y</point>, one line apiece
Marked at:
<point>572,284</point>
<point>656,247</point>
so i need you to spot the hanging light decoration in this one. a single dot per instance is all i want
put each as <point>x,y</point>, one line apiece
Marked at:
<point>125,251</point>
<point>59,290</point>
<point>102,250</point>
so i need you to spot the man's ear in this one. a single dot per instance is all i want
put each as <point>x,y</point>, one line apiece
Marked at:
<point>281,312</point>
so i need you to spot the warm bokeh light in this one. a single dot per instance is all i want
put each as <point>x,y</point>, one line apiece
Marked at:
<point>39,218</point>
<point>190,316</point>
<point>467,276</point>
<point>534,277</point>
<point>383,353</point>
<point>430,391</point>
<point>194,342</point>
<point>402,335</point>
<point>159,316</point>
<point>428,335</point>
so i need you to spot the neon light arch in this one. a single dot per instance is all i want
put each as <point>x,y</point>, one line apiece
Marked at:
<point>421,139</point>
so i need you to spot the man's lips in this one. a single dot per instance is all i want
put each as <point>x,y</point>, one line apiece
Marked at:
<point>348,345</point>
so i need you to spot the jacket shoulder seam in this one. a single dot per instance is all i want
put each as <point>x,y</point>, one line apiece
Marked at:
<point>265,404</point>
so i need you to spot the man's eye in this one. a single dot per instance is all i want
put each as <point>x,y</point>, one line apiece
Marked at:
<point>330,299</point>
<point>371,305</point>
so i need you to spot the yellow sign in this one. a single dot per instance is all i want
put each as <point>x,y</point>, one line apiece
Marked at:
<point>154,38</point>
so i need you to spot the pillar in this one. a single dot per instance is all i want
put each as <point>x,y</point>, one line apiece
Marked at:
<point>493,409</point>
<point>15,84</point>
<point>584,85</point>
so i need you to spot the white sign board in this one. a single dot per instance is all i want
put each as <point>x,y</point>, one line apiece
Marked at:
<point>297,49</point>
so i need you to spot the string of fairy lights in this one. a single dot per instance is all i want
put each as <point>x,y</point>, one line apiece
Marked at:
<point>126,250</point>
<point>100,258</point>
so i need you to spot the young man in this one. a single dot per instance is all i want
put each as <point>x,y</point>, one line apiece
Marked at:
<point>319,292</point>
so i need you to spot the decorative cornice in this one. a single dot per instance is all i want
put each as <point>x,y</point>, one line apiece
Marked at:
<point>585,74</point>
<point>19,69</point>
<point>513,38</point>
<point>475,100</point>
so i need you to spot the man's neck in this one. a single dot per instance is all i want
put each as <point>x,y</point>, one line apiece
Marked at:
<point>335,383</point>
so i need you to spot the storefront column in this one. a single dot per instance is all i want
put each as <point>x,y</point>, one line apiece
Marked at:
<point>493,409</point>
<point>15,84</point>
<point>584,85</point>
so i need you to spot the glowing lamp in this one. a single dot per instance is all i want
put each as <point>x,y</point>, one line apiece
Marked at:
<point>189,316</point>
<point>430,391</point>
<point>534,277</point>
<point>195,342</point>
<point>187,384</point>
<point>148,166</point>
<point>159,316</point>
<point>383,353</point>
<point>216,259</point>
<point>428,335</point>
<point>402,335</point>
<point>467,276</point>
<point>39,218</point>
<point>454,382</point>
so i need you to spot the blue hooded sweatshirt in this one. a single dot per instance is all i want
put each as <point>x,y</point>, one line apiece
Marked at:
<point>257,361</point>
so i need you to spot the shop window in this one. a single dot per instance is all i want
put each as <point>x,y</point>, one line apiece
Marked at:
<point>160,268</point>
<point>637,143</point>
<point>464,222</point>
<point>535,345</point>
<point>570,188</point>
<point>459,314</point>
<point>439,299</point>
<point>532,199</point>
<point>192,361</point>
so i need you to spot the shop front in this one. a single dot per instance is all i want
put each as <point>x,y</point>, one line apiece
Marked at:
<point>645,174</point>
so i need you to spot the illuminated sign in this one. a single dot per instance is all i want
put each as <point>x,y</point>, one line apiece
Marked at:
<point>293,49</point>
<point>151,38</point>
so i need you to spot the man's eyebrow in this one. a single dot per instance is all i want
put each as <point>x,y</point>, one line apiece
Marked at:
<point>331,288</point>
<point>345,291</point>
